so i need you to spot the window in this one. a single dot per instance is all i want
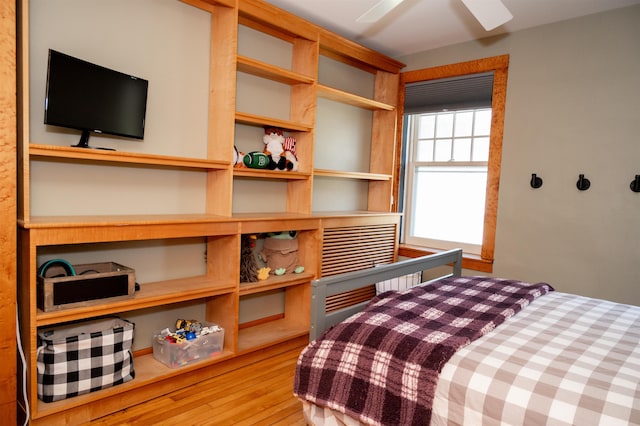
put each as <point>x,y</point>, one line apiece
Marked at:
<point>450,161</point>
<point>447,166</point>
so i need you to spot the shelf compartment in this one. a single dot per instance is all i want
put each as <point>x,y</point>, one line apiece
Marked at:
<point>294,322</point>
<point>149,372</point>
<point>271,72</point>
<point>55,151</point>
<point>337,95</point>
<point>150,295</point>
<point>261,121</point>
<point>351,175</point>
<point>269,333</point>
<point>277,22</point>
<point>275,282</point>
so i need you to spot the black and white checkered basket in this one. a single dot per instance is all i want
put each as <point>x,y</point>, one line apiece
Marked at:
<point>82,358</point>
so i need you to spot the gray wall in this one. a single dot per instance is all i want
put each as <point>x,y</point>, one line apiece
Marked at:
<point>572,108</point>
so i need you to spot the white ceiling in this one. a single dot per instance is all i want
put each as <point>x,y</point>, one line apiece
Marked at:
<point>419,25</point>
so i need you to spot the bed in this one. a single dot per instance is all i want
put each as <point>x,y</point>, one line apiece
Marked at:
<point>457,350</point>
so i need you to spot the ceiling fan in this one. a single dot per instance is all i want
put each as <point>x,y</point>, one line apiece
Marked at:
<point>490,13</point>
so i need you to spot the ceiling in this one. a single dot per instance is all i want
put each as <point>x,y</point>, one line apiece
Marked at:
<point>419,25</point>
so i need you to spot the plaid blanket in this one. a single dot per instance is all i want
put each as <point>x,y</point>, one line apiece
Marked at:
<point>381,365</point>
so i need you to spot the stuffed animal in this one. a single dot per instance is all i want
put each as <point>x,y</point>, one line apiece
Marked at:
<point>273,137</point>
<point>280,252</point>
<point>289,145</point>
<point>238,158</point>
<point>263,273</point>
<point>257,160</point>
<point>280,150</point>
<point>248,263</point>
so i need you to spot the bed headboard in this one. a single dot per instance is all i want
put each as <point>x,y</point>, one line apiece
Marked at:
<point>337,284</point>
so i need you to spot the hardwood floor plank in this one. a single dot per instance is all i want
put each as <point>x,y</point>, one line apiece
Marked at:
<point>252,403</point>
<point>256,394</point>
<point>285,413</point>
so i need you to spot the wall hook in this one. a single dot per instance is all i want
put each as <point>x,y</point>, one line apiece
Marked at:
<point>583,183</point>
<point>536,181</point>
<point>635,184</point>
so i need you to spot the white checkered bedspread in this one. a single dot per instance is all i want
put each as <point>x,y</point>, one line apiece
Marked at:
<point>565,360</point>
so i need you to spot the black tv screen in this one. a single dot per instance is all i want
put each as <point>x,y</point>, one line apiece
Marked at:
<point>91,98</point>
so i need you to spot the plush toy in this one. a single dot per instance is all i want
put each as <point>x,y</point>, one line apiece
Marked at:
<point>280,150</point>
<point>272,139</point>
<point>248,263</point>
<point>280,252</point>
<point>257,160</point>
<point>263,273</point>
<point>238,158</point>
<point>289,146</point>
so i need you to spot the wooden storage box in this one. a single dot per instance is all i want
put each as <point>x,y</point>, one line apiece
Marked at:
<point>93,284</point>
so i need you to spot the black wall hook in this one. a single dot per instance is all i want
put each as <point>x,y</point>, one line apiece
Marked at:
<point>583,183</point>
<point>536,181</point>
<point>635,184</point>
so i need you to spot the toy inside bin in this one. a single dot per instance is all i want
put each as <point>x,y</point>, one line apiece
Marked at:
<point>182,352</point>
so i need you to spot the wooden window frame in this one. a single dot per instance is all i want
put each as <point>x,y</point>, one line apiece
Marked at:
<point>500,66</point>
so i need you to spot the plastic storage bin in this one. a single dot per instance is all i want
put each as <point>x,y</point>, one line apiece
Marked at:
<point>174,354</point>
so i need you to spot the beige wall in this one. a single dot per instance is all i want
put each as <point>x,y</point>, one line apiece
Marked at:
<point>572,108</point>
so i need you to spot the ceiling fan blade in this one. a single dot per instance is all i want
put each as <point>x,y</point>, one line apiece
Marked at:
<point>378,11</point>
<point>490,13</point>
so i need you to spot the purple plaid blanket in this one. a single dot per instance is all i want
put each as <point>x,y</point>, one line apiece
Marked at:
<point>381,365</point>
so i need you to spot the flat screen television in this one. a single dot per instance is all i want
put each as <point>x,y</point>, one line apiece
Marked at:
<point>94,99</point>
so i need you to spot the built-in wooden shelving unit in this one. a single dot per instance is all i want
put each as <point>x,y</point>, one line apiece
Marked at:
<point>221,231</point>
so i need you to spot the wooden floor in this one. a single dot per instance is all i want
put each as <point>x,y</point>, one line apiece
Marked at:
<point>258,394</point>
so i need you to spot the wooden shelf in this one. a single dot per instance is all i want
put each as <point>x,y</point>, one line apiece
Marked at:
<point>275,282</point>
<point>150,294</point>
<point>272,72</point>
<point>210,4</point>
<point>269,333</point>
<point>55,151</point>
<point>351,175</point>
<point>351,99</point>
<point>270,174</point>
<point>149,371</point>
<point>40,222</point>
<point>260,121</point>
<point>272,20</point>
<point>57,230</point>
<point>258,223</point>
